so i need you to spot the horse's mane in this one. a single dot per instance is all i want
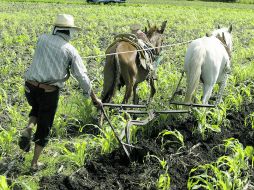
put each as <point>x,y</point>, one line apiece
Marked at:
<point>224,34</point>
<point>151,31</point>
<point>219,31</point>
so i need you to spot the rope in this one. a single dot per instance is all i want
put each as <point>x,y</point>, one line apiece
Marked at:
<point>169,45</point>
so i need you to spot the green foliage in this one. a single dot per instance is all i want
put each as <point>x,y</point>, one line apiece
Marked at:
<point>249,120</point>
<point>3,183</point>
<point>6,139</point>
<point>163,182</point>
<point>205,128</point>
<point>78,156</point>
<point>107,139</point>
<point>246,1</point>
<point>227,172</point>
<point>223,0</point>
<point>175,133</point>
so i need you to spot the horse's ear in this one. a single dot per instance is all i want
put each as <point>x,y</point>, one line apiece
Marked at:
<point>149,25</point>
<point>218,26</point>
<point>208,34</point>
<point>163,26</point>
<point>146,30</point>
<point>223,37</point>
<point>230,28</point>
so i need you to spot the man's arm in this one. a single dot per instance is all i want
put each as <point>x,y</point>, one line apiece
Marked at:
<point>80,73</point>
<point>96,101</point>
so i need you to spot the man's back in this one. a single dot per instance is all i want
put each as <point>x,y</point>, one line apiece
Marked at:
<point>51,59</point>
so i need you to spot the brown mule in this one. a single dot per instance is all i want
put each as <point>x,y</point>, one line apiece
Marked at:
<point>124,68</point>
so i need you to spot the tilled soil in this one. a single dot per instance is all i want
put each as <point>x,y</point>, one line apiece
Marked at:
<point>114,171</point>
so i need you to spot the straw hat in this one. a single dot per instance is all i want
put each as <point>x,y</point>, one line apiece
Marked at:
<point>134,27</point>
<point>65,21</point>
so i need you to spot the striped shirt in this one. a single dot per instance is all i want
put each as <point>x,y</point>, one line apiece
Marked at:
<point>52,57</point>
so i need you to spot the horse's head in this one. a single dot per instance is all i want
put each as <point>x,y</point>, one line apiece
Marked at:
<point>155,35</point>
<point>225,35</point>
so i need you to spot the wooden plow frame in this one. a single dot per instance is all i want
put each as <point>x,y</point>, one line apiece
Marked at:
<point>151,114</point>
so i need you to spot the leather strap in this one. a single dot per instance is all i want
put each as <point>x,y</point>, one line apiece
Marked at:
<point>46,87</point>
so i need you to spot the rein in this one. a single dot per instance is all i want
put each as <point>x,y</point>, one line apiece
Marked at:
<point>223,42</point>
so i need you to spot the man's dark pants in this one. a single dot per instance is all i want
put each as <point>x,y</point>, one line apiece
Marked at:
<point>44,105</point>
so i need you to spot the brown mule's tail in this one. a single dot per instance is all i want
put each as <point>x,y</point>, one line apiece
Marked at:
<point>111,77</point>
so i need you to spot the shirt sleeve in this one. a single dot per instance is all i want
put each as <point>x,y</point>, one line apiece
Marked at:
<point>79,71</point>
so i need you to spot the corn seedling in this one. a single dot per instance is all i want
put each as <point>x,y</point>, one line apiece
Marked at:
<point>249,120</point>
<point>3,183</point>
<point>163,181</point>
<point>249,151</point>
<point>175,133</point>
<point>226,173</point>
<point>204,128</point>
<point>6,138</point>
<point>78,156</point>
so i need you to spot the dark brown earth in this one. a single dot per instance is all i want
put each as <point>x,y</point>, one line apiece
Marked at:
<point>114,171</point>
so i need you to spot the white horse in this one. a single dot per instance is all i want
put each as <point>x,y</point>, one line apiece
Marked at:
<point>208,59</point>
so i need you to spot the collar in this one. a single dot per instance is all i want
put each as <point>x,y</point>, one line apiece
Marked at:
<point>64,36</point>
<point>223,42</point>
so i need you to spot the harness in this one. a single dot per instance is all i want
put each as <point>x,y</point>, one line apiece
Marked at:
<point>223,42</point>
<point>145,62</point>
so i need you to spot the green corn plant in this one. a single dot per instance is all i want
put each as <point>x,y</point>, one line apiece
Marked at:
<point>175,133</point>
<point>234,101</point>
<point>163,181</point>
<point>201,118</point>
<point>246,92</point>
<point>133,133</point>
<point>15,115</point>
<point>3,183</point>
<point>216,117</point>
<point>226,172</point>
<point>223,174</point>
<point>239,153</point>
<point>59,129</point>
<point>106,140</point>
<point>79,155</point>
<point>6,139</point>
<point>234,168</point>
<point>249,151</point>
<point>249,120</point>
<point>3,97</point>
<point>204,128</point>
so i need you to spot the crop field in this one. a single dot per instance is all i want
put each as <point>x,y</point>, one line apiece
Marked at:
<point>175,154</point>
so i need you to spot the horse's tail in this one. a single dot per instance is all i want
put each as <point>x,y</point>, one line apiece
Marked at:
<point>193,63</point>
<point>111,77</point>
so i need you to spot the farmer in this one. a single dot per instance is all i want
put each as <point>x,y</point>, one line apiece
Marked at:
<point>53,58</point>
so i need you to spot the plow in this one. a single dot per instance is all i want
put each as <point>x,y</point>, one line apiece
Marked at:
<point>148,114</point>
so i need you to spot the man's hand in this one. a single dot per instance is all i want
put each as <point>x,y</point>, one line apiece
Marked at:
<point>96,101</point>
